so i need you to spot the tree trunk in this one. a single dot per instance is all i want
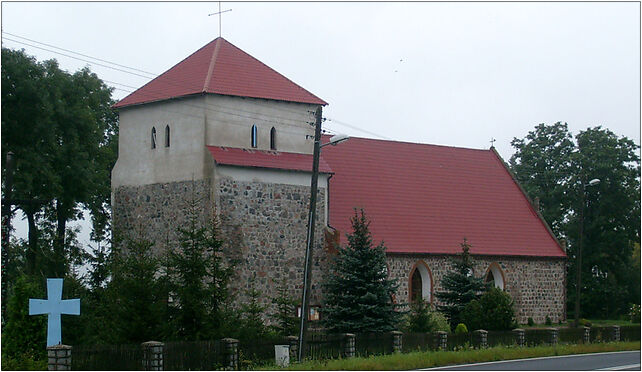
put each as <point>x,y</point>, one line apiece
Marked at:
<point>59,241</point>
<point>33,241</point>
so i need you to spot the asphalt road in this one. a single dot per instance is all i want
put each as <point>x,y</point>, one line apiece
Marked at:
<point>617,361</point>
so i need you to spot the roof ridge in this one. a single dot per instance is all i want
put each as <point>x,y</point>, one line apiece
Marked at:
<point>211,67</point>
<point>417,143</point>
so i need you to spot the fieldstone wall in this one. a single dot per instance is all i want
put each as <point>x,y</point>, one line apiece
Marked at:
<point>155,211</point>
<point>268,226</point>
<point>537,285</point>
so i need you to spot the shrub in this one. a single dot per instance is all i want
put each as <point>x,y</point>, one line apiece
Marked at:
<point>585,322</point>
<point>548,320</point>
<point>493,311</point>
<point>634,314</point>
<point>422,318</point>
<point>530,322</point>
<point>461,328</point>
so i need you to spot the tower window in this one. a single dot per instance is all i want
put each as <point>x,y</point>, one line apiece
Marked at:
<point>273,138</point>
<point>153,137</point>
<point>254,135</point>
<point>167,136</point>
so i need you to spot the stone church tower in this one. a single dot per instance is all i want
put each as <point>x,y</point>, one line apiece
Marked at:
<point>222,127</point>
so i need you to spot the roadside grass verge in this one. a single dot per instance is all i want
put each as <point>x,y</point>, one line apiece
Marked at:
<point>429,359</point>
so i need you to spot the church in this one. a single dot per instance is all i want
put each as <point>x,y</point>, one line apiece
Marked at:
<point>223,128</point>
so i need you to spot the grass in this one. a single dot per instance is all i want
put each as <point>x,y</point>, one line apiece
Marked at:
<point>594,323</point>
<point>429,359</point>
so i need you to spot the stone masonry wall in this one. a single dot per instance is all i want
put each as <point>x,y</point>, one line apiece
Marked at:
<point>537,285</point>
<point>268,224</point>
<point>155,211</point>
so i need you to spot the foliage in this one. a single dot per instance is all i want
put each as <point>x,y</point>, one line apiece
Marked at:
<point>286,321</point>
<point>422,318</point>
<point>62,130</point>
<point>493,311</point>
<point>252,326</point>
<point>23,336</point>
<point>461,329</point>
<point>553,166</point>
<point>358,291</point>
<point>548,321</point>
<point>197,278</point>
<point>460,287</point>
<point>530,322</point>
<point>634,313</point>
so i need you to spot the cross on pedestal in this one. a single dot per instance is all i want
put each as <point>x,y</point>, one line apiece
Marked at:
<point>54,306</point>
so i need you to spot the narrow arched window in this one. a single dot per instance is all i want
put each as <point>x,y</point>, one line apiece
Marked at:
<point>254,134</point>
<point>153,137</point>
<point>273,138</point>
<point>495,275</point>
<point>167,136</point>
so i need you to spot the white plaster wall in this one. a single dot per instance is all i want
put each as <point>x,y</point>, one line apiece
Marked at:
<point>276,176</point>
<point>230,119</point>
<point>185,159</point>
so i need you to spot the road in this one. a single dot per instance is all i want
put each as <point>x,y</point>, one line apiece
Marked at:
<point>615,361</point>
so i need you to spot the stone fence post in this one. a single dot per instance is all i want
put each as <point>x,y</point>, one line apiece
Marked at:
<point>152,355</point>
<point>442,340</point>
<point>615,333</point>
<point>397,341</point>
<point>230,354</point>
<point>348,345</point>
<point>553,335</point>
<point>586,337</point>
<point>480,338</point>
<point>59,358</point>
<point>293,341</point>
<point>520,336</point>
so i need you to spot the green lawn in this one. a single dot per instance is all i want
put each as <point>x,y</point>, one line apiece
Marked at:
<point>442,358</point>
<point>594,322</point>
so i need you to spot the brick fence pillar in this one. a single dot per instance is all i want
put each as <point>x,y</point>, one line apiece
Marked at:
<point>230,354</point>
<point>397,341</point>
<point>59,358</point>
<point>348,345</point>
<point>553,335</point>
<point>520,336</point>
<point>152,355</point>
<point>615,333</point>
<point>442,340</point>
<point>586,336</point>
<point>293,341</point>
<point>480,338</point>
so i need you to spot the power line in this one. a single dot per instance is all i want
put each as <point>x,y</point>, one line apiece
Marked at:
<point>357,128</point>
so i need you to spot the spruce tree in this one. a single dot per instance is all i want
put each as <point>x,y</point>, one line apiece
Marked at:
<point>287,323</point>
<point>460,287</point>
<point>358,293</point>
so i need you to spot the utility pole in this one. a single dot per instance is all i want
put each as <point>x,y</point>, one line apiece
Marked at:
<point>307,273</point>
<point>578,287</point>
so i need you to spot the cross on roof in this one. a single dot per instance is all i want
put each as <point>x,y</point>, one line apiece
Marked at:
<point>54,306</point>
<point>220,20</point>
<point>492,142</point>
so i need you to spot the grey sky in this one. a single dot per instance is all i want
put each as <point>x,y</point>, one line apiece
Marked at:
<point>443,73</point>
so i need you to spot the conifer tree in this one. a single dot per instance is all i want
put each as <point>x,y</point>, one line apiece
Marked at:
<point>460,287</point>
<point>287,322</point>
<point>358,291</point>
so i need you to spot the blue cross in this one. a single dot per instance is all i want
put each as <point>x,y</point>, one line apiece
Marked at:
<point>54,306</point>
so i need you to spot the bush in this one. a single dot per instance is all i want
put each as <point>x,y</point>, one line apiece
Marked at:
<point>634,314</point>
<point>493,311</point>
<point>460,329</point>
<point>422,318</point>
<point>585,322</point>
<point>548,320</point>
<point>530,322</point>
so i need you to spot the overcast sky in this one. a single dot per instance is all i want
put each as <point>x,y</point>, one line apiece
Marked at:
<point>454,74</point>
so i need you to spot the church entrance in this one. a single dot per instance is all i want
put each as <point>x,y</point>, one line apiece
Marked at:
<point>420,283</point>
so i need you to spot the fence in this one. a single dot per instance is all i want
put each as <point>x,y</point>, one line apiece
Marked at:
<point>215,355</point>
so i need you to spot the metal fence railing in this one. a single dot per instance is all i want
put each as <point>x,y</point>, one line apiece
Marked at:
<point>107,358</point>
<point>324,346</point>
<point>194,355</point>
<point>373,344</point>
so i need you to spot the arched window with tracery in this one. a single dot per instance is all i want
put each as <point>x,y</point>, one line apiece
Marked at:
<point>167,136</point>
<point>495,275</point>
<point>253,140</point>
<point>420,283</point>
<point>273,138</point>
<point>153,137</point>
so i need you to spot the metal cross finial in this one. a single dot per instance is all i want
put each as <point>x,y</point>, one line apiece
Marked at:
<point>220,21</point>
<point>492,142</point>
<point>54,306</point>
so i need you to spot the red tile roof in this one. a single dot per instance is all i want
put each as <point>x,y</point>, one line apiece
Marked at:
<point>426,199</point>
<point>222,68</point>
<point>266,159</point>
